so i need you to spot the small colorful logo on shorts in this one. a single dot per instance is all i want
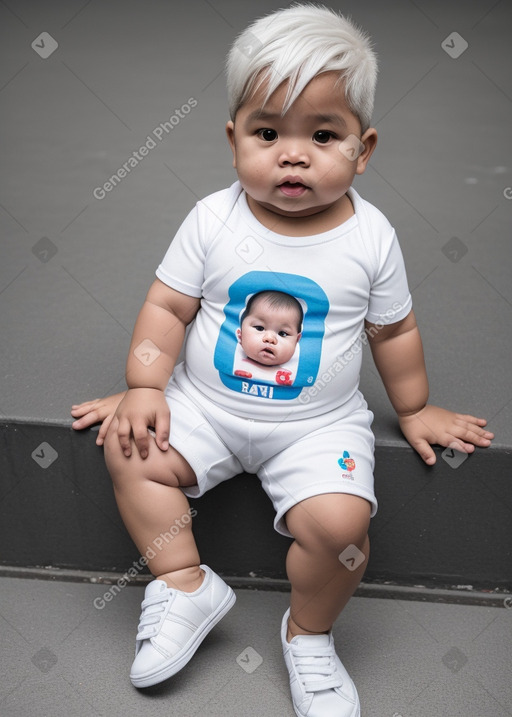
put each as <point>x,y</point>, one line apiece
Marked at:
<point>347,463</point>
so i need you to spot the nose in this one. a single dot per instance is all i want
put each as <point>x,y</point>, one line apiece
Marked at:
<point>269,337</point>
<point>293,153</point>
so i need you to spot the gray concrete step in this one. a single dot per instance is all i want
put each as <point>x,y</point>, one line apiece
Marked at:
<point>436,526</point>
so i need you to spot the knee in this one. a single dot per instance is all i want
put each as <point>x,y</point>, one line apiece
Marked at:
<point>114,457</point>
<point>123,471</point>
<point>330,522</point>
<point>159,467</point>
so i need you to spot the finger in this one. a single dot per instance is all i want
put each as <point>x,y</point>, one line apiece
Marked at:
<point>472,419</point>
<point>468,448</point>
<point>78,406</point>
<point>426,451</point>
<point>141,438</point>
<point>114,425</point>
<point>88,420</point>
<point>79,411</point>
<point>100,440</point>
<point>81,408</point>
<point>458,445</point>
<point>474,435</point>
<point>162,430</point>
<point>477,425</point>
<point>478,439</point>
<point>91,418</point>
<point>123,434</point>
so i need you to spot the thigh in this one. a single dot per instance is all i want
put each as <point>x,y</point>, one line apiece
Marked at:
<point>197,458</point>
<point>197,440</point>
<point>334,459</point>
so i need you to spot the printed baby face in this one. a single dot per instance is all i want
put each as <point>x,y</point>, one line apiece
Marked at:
<point>292,165</point>
<point>269,334</point>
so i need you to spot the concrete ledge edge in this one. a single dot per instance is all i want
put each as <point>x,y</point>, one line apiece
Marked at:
<point>397,442</point>
<point>419,593</point>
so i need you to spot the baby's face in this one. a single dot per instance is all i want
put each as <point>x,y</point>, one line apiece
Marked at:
<point>269,335</point>
<point>293,165</point>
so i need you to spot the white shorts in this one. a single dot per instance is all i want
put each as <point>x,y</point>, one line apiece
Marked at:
<point>294,460</point>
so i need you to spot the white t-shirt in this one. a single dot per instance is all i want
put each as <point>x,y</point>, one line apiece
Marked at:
<point>224,255</point>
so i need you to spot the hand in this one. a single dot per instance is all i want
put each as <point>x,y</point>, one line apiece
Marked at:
<point>140,409</point>
<point>437,425</point>
<point>96,411</point>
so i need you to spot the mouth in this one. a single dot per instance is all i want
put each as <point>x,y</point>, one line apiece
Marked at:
<point>293,187</point>
<point>267,355</point>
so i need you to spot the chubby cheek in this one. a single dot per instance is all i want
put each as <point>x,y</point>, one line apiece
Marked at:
<point>338,170</point>
<point>251,169</point>
<point>252,165</point>
<point>252,337</point>
<point>255,183</point>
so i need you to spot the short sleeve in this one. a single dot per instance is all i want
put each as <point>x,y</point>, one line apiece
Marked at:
<point>390,299</point>
<point>182,267</point>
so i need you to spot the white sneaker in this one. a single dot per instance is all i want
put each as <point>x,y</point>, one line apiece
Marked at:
<point>173,624</point>
<point>320,685</point>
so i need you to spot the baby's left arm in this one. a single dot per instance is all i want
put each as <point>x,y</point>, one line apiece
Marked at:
<point>398,354</point>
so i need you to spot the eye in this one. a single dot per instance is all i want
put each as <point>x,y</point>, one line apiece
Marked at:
<point>284,334</point>
<point>269,135</point>
<point>258,328</point>
<point>322,136</point>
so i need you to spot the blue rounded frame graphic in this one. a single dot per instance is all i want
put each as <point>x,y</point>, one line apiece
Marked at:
<point>313,329</point>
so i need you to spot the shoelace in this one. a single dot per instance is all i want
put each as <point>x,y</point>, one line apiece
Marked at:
<point>316,668</point>
<point>151,615</point>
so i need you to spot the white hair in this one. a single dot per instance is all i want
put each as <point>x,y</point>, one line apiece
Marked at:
<point>297,44</point>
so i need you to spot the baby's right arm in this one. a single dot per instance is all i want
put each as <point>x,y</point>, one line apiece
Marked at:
<point>156,343</point>
<point>99,410</point>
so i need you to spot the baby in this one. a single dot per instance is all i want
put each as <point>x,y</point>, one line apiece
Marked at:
<point>301,85</point>
<point>270,329</point>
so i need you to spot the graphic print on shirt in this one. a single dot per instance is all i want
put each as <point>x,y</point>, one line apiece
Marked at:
<point>270,342</point>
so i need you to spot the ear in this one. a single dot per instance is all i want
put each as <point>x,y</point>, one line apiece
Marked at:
<point>239,335</point>
<point>230,131</point>
<point>369,139</point>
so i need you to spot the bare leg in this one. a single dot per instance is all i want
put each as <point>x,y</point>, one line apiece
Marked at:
<point>323,526</point>
<point>151,502</point>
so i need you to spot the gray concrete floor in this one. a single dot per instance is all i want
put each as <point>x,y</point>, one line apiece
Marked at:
<point>61,656</point>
